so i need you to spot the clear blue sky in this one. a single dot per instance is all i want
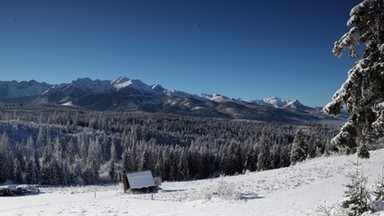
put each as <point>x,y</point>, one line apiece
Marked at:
<point>239,48</point>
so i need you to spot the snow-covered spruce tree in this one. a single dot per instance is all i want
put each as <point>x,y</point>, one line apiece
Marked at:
<point>18,175</point>
<point>357,197</point>
<point>7,163</point>
<point>299,148</point>
<point>146,162</point>
<point>363,91</point>
<point>31,176</point>
<point>264,156</point>
<point>111,163</point>
<point>378,194</point>
<point>3,168</point>
<point>182,165</point>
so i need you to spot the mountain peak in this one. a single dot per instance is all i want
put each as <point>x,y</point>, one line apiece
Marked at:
<point>276,102</point>
<point>158,88</point>
<point>119,80</point>
<point>13,90</point>
<point>92,86</point>
<point>294,104</point>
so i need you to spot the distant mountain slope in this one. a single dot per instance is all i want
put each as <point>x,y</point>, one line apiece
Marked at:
<point>134,95</point>
<point>21,92</point>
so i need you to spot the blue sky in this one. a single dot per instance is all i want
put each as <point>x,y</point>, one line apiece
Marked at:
<point>239,48</point>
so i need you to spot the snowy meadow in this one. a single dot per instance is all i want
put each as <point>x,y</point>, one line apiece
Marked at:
<point>296,190</point>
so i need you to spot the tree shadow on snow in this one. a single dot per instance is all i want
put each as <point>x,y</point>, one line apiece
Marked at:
<point>250,196</point>
<point>173,190</point>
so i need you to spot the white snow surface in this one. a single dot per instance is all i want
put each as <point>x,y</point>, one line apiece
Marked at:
<point>69,104</point>
<point>296,190</point>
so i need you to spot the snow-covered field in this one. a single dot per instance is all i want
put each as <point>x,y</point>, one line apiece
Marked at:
<point>296,190</point>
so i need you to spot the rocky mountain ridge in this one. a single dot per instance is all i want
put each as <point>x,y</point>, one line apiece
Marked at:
<point>134,95</point>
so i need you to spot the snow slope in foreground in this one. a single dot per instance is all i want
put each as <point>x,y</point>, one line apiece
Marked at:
<point>295,190</point>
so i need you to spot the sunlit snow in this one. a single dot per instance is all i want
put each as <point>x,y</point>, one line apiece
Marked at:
<point>296,190</point>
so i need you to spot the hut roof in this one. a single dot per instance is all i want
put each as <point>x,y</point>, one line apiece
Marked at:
<point>138,180</point>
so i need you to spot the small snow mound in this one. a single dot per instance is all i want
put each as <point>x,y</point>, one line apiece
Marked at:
<point>69,104</point>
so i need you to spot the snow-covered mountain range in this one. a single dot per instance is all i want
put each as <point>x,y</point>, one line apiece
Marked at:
<point>25,91</point>
<point>134,95</point>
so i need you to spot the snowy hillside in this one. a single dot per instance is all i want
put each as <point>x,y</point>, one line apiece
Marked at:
<point>296,190</point>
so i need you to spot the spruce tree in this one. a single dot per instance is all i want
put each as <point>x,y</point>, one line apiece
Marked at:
<point>111,163</point>
<point>363,92</point>
<point>264,156</point>
<point>251,159</point>
<point>65,180</point>
<point>3,167</point>
<point>31,172</point>
<point>356,200</point>
<point>111,170</point>
<point>146,162</point>
<point>47,162</point>
<point>183,166</point>
<point>7,163</point>
<point>299,148</point>
<point>378,193</point>
<point>379,190</point>
<point>18,174</point>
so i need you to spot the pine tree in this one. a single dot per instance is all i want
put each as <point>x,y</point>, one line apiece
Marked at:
<point>251,159</point>
<point>264,156</point>
<point>299,148</point>
<point>3,167</point>
<point>363,91</point>
<point>72,152</point>
<point>91,172</point>
<point>30,148</point>
<point>172,166</point>
<point>65,180</point>
<point>311,146</point>
<point>7,157</point>
<point>19,156</point>
<point>39,140</point>
<point>56,173</point>
<point>111,163</point>
<point>379,190</point>
<point>356,200</point>
<point>146,162</point>
<point>37,164</point>
<point>183,166</point>
<point>363,151</point>
<point>125,182</point>
<point>18,174</point>
<point>31,172</point>
<point>231,161</point>
<point>111,170</point>
<point>276,156</point>
<point>47,161</point>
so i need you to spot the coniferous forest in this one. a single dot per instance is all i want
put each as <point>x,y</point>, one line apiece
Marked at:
<point>64,146</point>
